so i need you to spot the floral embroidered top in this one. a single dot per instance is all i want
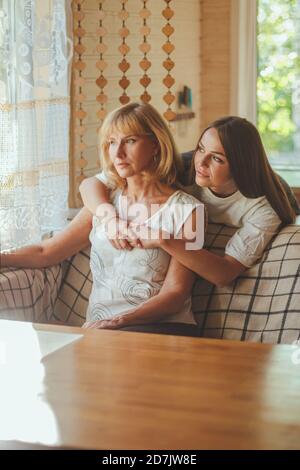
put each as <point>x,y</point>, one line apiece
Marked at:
<point>124,279</point>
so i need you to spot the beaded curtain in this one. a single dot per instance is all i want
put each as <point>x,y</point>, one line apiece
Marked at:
<point>112,48</point>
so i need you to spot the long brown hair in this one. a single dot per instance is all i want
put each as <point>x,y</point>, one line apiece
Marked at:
<point>249,165</point>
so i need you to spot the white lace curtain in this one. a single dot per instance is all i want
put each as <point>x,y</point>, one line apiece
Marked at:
<point>35,53</point>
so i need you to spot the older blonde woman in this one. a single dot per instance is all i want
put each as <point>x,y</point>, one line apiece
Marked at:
<point>137,286</point>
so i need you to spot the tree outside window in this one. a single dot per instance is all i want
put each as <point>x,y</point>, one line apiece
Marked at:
<point>278,84</point>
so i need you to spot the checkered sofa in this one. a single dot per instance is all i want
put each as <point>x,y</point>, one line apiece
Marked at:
<point>262,305</point>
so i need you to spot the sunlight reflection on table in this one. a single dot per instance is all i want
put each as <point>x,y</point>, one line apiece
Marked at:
<point>24,415</point>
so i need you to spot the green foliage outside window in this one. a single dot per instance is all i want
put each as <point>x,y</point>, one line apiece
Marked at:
<point>278,72</point>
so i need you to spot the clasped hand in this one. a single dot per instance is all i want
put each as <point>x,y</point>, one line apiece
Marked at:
<point>128,235</point>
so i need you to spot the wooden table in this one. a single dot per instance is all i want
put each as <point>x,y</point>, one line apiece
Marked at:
<point>124,390</point>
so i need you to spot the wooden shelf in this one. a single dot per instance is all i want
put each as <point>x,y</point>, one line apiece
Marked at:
<point>183,116</point>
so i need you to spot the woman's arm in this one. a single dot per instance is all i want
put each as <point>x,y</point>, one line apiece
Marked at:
<point>186,250</point>
<point>72,239</point>
<point>96,199</point>
<point>219,270</point>
<point>95,194</point>
<point>176,289</point>
<point>244,248</point>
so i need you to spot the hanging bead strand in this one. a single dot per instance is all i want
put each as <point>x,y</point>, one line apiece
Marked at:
<point>145,47</point>
<point>124,49</point>
<point>79,97</point>
<point>168,64</point>
<point>101,65</point>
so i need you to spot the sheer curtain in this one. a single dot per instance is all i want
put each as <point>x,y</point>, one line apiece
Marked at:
<point>244,58</point>
<point>35,52</point>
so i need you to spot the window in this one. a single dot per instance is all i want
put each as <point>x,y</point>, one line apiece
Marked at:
<point>34,119</point>
<point>278,85</point>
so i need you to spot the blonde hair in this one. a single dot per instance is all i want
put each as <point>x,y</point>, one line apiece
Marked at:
<point>141,119</point>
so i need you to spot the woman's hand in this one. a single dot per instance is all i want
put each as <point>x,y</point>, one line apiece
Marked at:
<point>114,323</point>
<point>120,234</point>
<point>126,236</point>
<point>110,324</point>
<point>148,237</point>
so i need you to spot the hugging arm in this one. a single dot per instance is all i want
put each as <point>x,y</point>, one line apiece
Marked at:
<point>219,270</point>
<point>187,250</point>
<point>54,250</point>
<point>96,198</point>
<point>243,250</point>
<point>94,193</point>
<point>176,289</point>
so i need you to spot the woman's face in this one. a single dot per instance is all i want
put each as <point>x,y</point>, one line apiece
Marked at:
<point>131,154</point>
<point>211,165</point>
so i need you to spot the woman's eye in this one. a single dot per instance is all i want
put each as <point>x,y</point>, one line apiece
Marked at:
<point>217,159</point>
<point>201,149</point>
<point>130,141</point>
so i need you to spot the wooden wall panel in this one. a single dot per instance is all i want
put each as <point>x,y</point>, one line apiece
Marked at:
<point>215,59</point>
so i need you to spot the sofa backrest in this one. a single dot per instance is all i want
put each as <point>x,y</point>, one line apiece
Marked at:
<point>262,305</point>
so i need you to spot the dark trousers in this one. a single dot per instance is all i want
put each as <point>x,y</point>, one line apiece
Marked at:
<point>177,329</point>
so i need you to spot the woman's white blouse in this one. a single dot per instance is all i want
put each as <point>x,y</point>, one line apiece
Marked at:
<point>124,279</point>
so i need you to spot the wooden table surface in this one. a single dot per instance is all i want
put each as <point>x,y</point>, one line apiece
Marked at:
<point>124,390</point>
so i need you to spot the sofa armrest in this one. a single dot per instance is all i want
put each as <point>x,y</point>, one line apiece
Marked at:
<point>29,294</point>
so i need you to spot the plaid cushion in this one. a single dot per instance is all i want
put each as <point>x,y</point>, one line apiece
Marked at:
<point>262,305</point>
<point>29,294</point>
<point>72,301</point>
